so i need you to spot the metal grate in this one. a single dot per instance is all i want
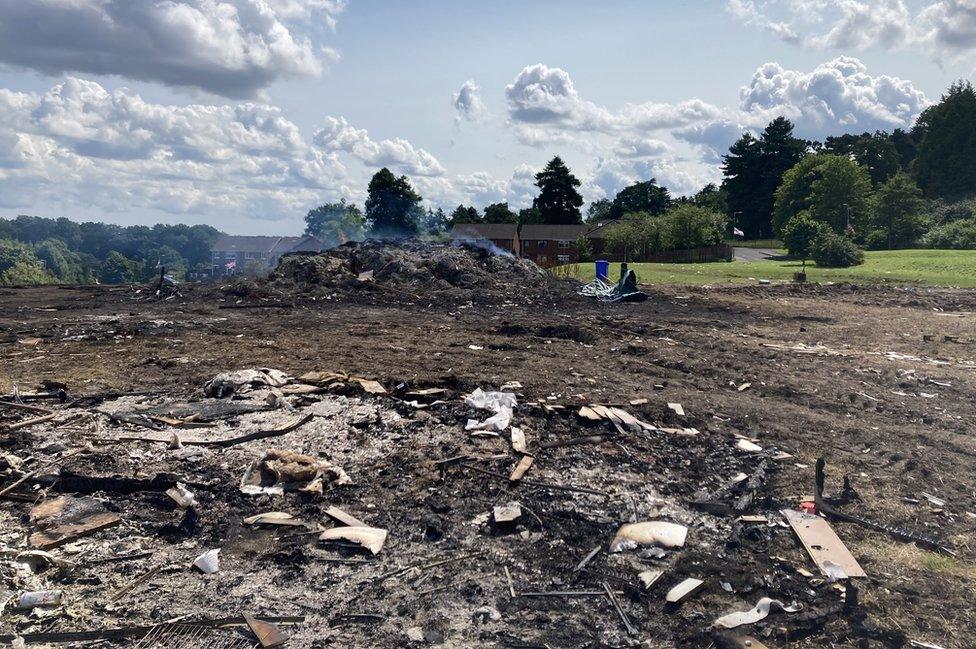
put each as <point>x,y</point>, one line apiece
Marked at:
<point>193,636</point>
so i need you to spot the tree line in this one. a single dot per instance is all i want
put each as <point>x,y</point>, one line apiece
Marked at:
<point>35,250</point>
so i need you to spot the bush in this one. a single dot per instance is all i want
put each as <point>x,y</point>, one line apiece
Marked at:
<point>584,249</point>
<point>831,250</point>
<point>957,235</point>
<point>687,226</point>
<point>799,233</point>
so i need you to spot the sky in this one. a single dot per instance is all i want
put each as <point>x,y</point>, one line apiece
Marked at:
<point>245,114</point>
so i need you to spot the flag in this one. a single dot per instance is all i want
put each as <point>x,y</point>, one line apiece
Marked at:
<point>737,232</point>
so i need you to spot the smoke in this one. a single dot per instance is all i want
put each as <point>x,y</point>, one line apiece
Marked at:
<point>482,244</point>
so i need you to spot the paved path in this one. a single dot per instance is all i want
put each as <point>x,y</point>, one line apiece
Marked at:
<point>754,254</point>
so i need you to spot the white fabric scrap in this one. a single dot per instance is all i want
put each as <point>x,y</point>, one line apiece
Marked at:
<point>500,403</point>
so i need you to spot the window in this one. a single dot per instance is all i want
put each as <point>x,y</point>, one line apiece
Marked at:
<point>542,244</point>
<point>564,245</point>
<point>562,259</point>
<point>542,259</point>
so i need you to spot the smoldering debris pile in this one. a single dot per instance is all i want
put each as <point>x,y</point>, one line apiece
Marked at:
<point>408,271</point>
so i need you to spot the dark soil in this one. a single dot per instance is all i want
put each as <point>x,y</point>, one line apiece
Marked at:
<point>877,380</point>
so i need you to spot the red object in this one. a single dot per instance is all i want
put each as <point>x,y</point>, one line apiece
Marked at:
<point>807,507</point>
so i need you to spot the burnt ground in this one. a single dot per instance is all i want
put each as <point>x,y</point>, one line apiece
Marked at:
<point>879,381</point>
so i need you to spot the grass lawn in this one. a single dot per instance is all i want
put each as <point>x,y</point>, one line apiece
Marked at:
<point>929,267</point>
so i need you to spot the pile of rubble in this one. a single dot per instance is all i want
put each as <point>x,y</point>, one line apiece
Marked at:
<point>344,510</point>
<point>406,271</point>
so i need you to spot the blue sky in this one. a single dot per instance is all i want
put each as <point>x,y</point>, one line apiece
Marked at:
<point>246,113</point>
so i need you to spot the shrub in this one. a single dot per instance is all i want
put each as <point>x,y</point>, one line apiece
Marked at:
<point>831,250</point>
<point>799,233</point>
<point>584,249</point>
<point>957,235</point>
<point>688,226</point>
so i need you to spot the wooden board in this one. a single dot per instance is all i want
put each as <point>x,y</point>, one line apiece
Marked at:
<point>521,468</point>
<point>65,518</point>
<point>822,543</point>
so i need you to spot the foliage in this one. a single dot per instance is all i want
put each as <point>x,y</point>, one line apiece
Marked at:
<point>335,223</point>
<point>392,206</point>
<point>13,252</point>
<point>799,233</point>
<point>529,215</point>
<point>462,214</point>
<point>875,152</point>
<point>646,197</point>
<point>558,201</point>
<point>499,213</point>
<point>686,226</point>
<point>434,222</point>
<point>599,210</point>
<point>946,136</point>
<point>584,249</point>
<point>712,197</point>
<point>26,272</point>
<point>118,269</point>
<point>833,189</point>
<point>754,169</point>
<point>956,235</point>
<point>67,266</point>
<point>898,212</point>
<point>832,250</point>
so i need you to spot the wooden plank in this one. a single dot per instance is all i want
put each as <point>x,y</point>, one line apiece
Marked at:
<point>822,543</point>
<point>521,468</point>
<point>344,518</point>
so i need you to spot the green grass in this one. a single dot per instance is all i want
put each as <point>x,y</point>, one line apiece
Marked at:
<point>928,267</point>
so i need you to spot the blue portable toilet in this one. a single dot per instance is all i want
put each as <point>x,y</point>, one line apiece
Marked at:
<point>603,270</point>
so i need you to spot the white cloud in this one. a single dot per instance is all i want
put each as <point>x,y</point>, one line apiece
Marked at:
<point>944,29</point>
<point>80,145</point>
<point>544,105</point>
<point>339,135</point>
<point>835,97</point>
<point>640,147</point>
<point>468,103</point>
<point>233,48</point>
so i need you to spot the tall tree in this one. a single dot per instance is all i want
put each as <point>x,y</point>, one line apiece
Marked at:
<point>875,152</point>
<point>335,223</point>
<point>558,201</point>
<point>754,170</point>
<point>644,196</point>
<point>946,137</point>
<point>462,214</point>
<point>897,211</point>
<point>392,206</point>
<point>832,189</point>
<point>500,213</point>
<point>599,210</point>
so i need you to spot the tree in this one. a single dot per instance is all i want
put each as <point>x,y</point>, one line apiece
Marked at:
<point>462,214</point>
<point>392,206</point>
<point>26,273</point>
<point>558,201</point>
<point>117,269</point>
<point>834,189</point>
<point>898,211</point>
<point>13,253</point>
<point>713,198</point>
<point>499,213</point>
<point>800,233</point>
<point>599,210</point>
<point>529,215</point>
<point>754,169</point>
<point>687,226</point>
<point>876,153</point>
<point>644,196</point>
<point>335,223</point>
<point>946,137</point>
<point>434,222</point>
<point>584,249</point>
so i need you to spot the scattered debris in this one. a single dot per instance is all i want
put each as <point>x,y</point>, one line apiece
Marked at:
<point>64,519</point>
<point>683,590</point>
<point>280,471</point>
<point>228,383</point>
<point>822,543</point>
<point>661,533</point>
<point>371,538</point>
<point>759,612</point>
<point>208,562</point>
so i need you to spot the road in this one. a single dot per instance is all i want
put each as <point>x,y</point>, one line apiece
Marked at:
<point>754,254</point>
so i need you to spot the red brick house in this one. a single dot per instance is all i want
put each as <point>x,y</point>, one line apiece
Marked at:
<point>503,235</point>
<point>552,245</point>
<point>231,254</point>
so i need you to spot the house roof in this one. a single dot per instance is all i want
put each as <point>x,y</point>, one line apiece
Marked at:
<point>541,231</point>
<point>484,231</point>
<point>308,243</point>
<point>235,243</point>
